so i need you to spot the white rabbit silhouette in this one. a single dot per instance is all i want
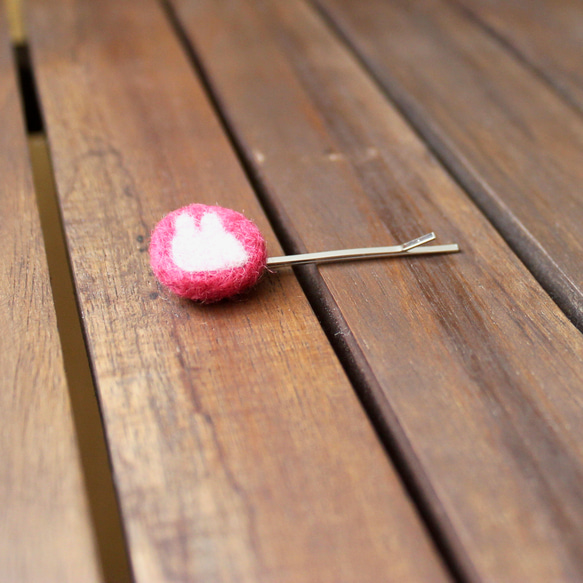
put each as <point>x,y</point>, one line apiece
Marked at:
<point>206,248</point>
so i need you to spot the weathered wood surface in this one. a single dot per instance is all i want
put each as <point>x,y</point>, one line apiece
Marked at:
<point>478,373</point>
<point>239,449</point>
<point>511,140</point>
<point>45,526</point>
<point>545,33</point>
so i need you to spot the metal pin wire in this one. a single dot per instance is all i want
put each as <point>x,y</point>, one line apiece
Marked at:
<point>414,247</point>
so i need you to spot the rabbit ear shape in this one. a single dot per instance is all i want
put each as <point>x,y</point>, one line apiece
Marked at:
<point>206,247</point>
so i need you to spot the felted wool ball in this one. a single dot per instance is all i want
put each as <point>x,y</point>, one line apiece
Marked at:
<point>207,253</point>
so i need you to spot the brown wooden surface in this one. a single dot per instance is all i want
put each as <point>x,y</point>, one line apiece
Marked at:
<point>482,371</point>
<point>45,526</point>
<point>545,33</point>
<point>239,449</point>
<point>512,141</point>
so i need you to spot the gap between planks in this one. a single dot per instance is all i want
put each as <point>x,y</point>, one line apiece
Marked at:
<point>89,430</point>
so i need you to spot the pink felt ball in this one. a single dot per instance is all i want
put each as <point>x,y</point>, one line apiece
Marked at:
<point>207,253</point>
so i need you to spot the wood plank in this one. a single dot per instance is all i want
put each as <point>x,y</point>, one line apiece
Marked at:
<point>45,529</point>
<point>545,33</point>
<point>240,450</point>
<point>510,139</point>
<point>479,368</point>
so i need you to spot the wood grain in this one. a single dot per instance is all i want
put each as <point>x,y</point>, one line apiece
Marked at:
<point>511,140</point>
<point>240,450</point>
<point>45,526</point>
<point>477,372</point>
<point>546,34</point>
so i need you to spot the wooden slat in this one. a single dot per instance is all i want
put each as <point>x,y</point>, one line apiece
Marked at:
<point>545,33</point>
<point>239,448</point>
<point>45,526</point>
<point>513,142</point>
<point>481,370</point>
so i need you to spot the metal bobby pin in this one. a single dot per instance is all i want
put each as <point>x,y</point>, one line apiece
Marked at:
<point>414,247</point>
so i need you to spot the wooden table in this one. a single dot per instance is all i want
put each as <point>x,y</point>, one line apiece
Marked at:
<point>406,420</point>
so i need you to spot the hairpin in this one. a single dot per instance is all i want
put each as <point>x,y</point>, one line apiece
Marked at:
<point>208,253</point>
